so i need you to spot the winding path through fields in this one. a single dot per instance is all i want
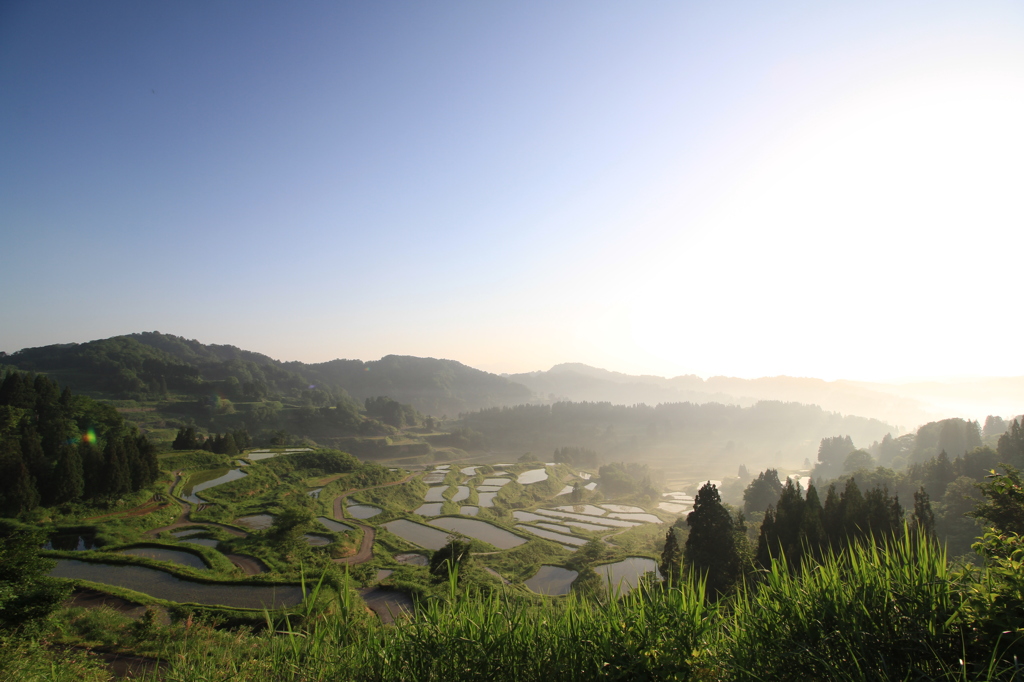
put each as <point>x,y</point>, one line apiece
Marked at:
<point>365,552</point>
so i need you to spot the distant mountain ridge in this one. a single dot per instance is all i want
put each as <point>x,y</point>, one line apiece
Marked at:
<point>579,382</point>
<point>152,361</point>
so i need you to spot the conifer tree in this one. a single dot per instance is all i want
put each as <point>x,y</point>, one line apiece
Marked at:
<point>671,558</point>
<point>710,549</point>
<point>924,518</point>
<point>68,478</point>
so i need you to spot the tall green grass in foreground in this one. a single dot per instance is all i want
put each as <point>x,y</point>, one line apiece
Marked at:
<point>892,613</point>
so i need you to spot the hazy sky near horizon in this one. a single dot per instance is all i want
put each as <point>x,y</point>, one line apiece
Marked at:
<point>740,188</point>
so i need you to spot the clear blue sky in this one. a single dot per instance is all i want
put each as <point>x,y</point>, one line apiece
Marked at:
<point>742,188</point>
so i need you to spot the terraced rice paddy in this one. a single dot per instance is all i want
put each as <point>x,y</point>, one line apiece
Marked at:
<point>332,525</point>
<point>161,554</point>
<point>532,476</point>
<point>418,534</point>
<point>550,535</point>
<point>481,530</point>
<point>256,521</point>
<point>552,580</point>
<point>429,509</point>
<point>163,585</point>
<point>436,494</point>
<point>362,511</point>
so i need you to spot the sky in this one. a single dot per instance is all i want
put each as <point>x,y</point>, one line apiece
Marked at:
<point>728,188</point>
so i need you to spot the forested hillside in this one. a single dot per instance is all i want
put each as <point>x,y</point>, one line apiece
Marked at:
<point>152,365</point>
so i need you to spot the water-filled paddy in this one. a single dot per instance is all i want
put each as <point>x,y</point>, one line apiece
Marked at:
<point>469,510</point>
<point>566,490</point>
<point>488,488</point>
<point>481,530</point>
<point>590,486</point>
<point>528,516</point>
<point>496,481</point>
<point>624,575</point>
<point>315,493</point>
<point>189,532</point>
<point>418,534</point>
<point>553,580</point>
<point>362,511</point>
<point>461,493</point>
<point>442,467</point>
<point>557,537</point>
<point>673,508</point>
<point>173,555</point>
<point>468,471</point>
<point>642,518</point>
<point>314,540</point>
<point>411,558</point>
<point>71,542</point>
<point>209,479</point>
<point>486,499</point>
<point>332,525</point>
<point>615,523</point>
<point>532,476</point>
<point>556,527</point>
<point>434,477</point>
<point>623,509</point>
<point>205,542</point>
<point>256,521</point>
<point>435,494</point>
<point>163,585</point>
<point>588,509</point>
<point>429,509</point>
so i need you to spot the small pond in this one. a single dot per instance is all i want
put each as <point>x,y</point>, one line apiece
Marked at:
<point>256,521</point>
<point>533,476</point>
<point>412,559</point>
<point>481,530</point>
<point>486,499</point>
<point>435,494</point>
<point>469,510</point>
<point>418,534</point>
<point>461,493</point>
<point>624,575</point>
<point>557,537</point>
<point>163,585</point>
<point>208,479</point>
<point>553,580</point>
<point>332,525</point>
<point>173,555</point>
<point>429,509</point>
<point>362,511</point>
